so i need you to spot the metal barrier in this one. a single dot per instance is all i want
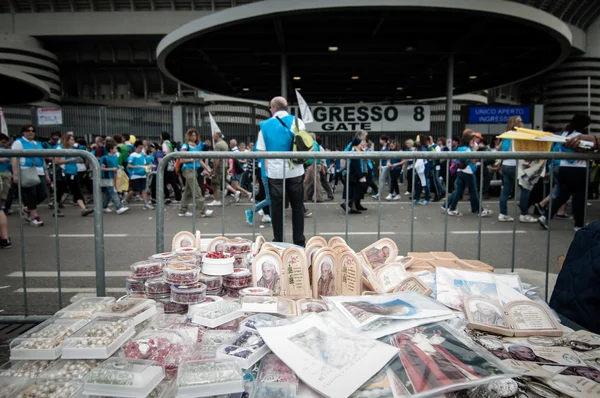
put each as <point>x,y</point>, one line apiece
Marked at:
<point>98,224</point>
<point>349,156</point>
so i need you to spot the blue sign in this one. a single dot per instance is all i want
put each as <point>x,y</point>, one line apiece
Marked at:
<point>498,114</point>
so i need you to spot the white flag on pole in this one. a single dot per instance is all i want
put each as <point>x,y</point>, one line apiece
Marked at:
<point>305,111</point>
<point>3,127</point>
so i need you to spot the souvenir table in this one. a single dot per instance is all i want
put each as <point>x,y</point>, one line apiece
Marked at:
<point>291,322</point>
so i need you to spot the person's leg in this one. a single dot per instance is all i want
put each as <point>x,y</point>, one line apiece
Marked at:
<point>75,188</point>
<point>524,201</point>
<point>326,186</point>
<point>4,240</point>
<point>409,180</point>
<point>276,191</point>
<point>28,196</point>
<point>578,200</point>
<point>458,191</point>
<point>508,184</point>
<point>186,198</point>
<point>418,189</point>
<point>473,192</point>
<point>295,191</point>
<point>200,204</point>
<point>143,190</point>
<point>153,188</point>
<point>175,185</point>
<point>566,190</point>
<point>106,198</point>
<point>265,189</point>
<point>394,189</point>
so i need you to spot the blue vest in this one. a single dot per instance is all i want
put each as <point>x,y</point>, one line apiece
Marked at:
<point>277,138</point>
<point>137,160</point>
<point>29,162</point>
<point>196,164</point>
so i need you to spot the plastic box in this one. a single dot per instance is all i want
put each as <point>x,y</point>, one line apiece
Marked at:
<point>190,259</point>
<point>188,294</point>
<point>146,269</point>
<point>46,340</point>
<point>256,291</point>
<point>136,308</point>
<point>181,273</point>
<point>29,369</point>
<point>171,308</point>
<point>218,266</point>
<point>209,378</point>
<point>85,344</point>
<point>212,282</point>
<point>259,304</point>
<point>186,250</point>
<point>51,388</point>
<point>238,246</point>
<point>10,385</point>
<point>240,278</point>
<point>279,390</point>
<point>85,307</point>
<point>162,256</point>
<point>134,286</point>
<point>70,369</point>
<point>216,314</point>
<point>247,349</point>
<point>157,288</point>
<point>133,378</point>
<point>273,370</point>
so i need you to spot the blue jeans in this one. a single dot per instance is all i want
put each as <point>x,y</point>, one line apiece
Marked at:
<point>267,201</point>
<point>464,180</point>
<point>508,186</point>
<point>419,187</point>
<point>111,195</point>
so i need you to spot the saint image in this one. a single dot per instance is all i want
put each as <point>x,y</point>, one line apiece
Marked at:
<point>524,353</point>
<point>486,313</point>
<point>378,257</point>
<point>326,283</point>
<point>270,278</point>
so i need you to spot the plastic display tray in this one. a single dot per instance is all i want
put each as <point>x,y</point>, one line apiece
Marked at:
<point>86,344</point>
<point>85,307</point>
<point>216,314</point>
<point>46,340</point>
<point>130,378</point>
<point>209,378</point>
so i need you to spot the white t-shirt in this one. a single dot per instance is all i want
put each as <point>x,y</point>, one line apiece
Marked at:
<point>275,166</point>
<point>572,163</point>
<point>18,145</point>
<point>468,169</point>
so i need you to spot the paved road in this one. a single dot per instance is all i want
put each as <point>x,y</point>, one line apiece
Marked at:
<point>131,237</point>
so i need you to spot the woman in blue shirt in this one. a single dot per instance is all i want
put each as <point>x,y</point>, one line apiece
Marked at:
<point>71,175</point>
<point>465,178</point>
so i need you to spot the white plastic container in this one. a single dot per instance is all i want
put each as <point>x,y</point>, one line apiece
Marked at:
<point>70,369</point>
<point>26,369</point>
<point>246,350</point>
<point>216,314</point>
<point>85,307</point>
<point>218,266</point>
<point>136,308</point>
<point>46,340</point>
<point>85,344</point>
<point>120,377</point>
<point>209,378</point>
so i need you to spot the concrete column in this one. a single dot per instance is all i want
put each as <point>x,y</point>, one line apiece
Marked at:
<point>178,125</point>
<point>284,76</point>
<point>449,100</point>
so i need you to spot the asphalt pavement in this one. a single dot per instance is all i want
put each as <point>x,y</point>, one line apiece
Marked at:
<point>132,237</point>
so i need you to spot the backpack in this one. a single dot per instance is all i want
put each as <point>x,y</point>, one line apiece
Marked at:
<point>237,166</point>
<point>302,142</point>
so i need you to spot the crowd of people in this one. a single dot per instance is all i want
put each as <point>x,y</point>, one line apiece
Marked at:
<point>128,169</point>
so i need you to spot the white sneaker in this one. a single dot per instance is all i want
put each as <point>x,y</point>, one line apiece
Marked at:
<point>266,218</point>
<point>528,219</point>
<point>389,197</point>
<point>397,197</point>
<point>37,222</point>
<point>148,206</point>
<point>406,193</point>
<point>261,212</point>
<point>505,218</point>
<point>207,213</point>
<point>107,210</point>
<point>454,213</point>
<point>486,213</point>
<point>236,196</point>
<point>122,210</point>
<point>186,214</point>
<point>214,203</point>
<point>376,197</point>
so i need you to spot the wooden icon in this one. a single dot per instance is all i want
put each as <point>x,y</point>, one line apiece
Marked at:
<point>267,272</point>
<point>294,274</point>
<point>183,239</point>
<point>217,244</point>
<point>326,274</point>
<point>379,253</point>
<point>316,239</point>
<point>351,274</point>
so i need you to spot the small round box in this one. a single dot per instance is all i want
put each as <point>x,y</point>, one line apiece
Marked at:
<point>182,274</point>
<point>222,264</point>
<point>240,278</point>
<point>186,250</point>
<point>146,269</point>
<point>188,294</point>
<point>133,285</point>
<point>157,288</point>
<point>238,246</point>
<point>162,256</point>
<point>255,291</point>
<point>211,282</point>
<point>170,307</point>
<point>241,260</point>
<point>232,292</point>
<point>186,259</point>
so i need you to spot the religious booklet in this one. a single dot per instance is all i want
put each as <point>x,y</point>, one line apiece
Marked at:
<point>326,357</point>
<point>435,359</point>
<point>517,318</point>
<point>363,311</point>
<point>522,349</point>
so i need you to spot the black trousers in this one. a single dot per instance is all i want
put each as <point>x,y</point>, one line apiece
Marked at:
<point>294,192</point>
<point>262,195</point>
<point>171,178</point>
<point>571,181</point>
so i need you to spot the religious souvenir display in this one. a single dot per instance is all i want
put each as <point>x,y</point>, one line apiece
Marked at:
<point>198,242</point>
<point>311,250</point>
<point>380,385</point>
<point>413,284</point>
<point>216,314</point>
<point>134,286</point>
<point>273,370</point>
<point>329,359</point>
<point>99,339</point>
<point>183,239</point>
<point>12,385</point>
<point>70,369</point>
<point>435,358</point>
<point>238,246</point>
<point>363,311</point>
<point>350,272</point>
<point>29,369</point>
<point>286,307</point>
<point>209,378</point>
<point>146,269</point>
<point>326,274</point>
<point>217,263</point>
<point>217,244</point>
<point>194,259</point>
<point>85,307</point>
<point>294,274</point>
<point>157,288</point>
<point>322,241</point>
<point>188,294</point>
<point>260,240</point>
<point>266,304</point>
<point>162,256</point>
<point>187,250</point>
<point>335,241</point>
<point>136,308</point>
<point>213,283</point>
<point>575,386</point>
<point>310,305</point>
<point>255,291</point>
<point>181,273</point>
<point>521,349</point>
<point>170,307</point>
<point>247,349</point>
<point>267,271</point>
<point>46,340</point>
<point>379,253</point>
<point>388,277</point>
<point>50,389</point>
<point>518,318</point>
<point>239,279</point>
<point>124,377</point>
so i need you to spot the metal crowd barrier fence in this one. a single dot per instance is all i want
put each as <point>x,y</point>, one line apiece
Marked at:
<point>378,156</point>
<point>98,225</point>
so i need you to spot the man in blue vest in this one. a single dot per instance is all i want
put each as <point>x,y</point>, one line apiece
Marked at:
<point>275,136</point>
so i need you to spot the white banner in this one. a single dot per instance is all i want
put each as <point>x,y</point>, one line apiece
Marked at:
<point>3,127</point>
<point>369,117</point>
<point>49,116</point>
<point>307,115</point>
